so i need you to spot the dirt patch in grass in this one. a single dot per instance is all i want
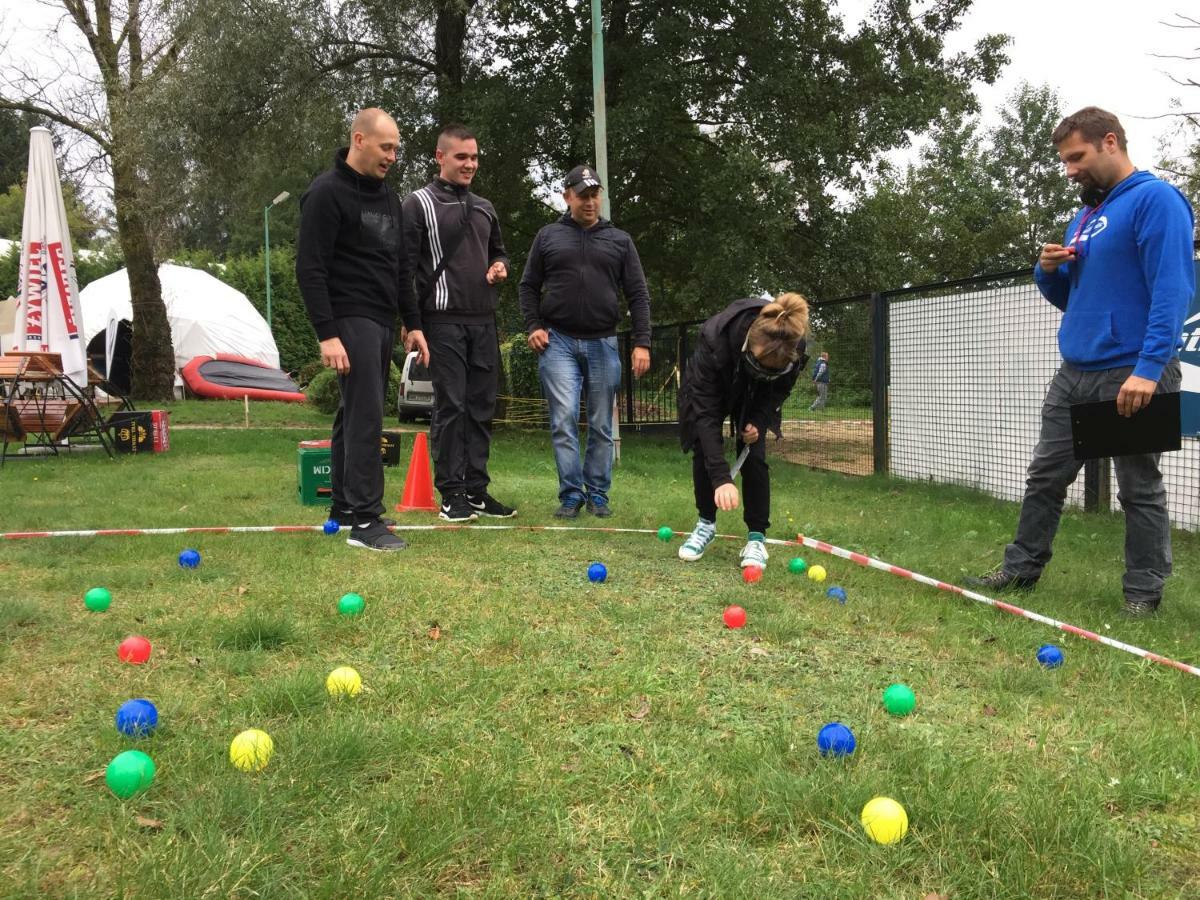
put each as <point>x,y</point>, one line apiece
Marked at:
<point>836,445</point>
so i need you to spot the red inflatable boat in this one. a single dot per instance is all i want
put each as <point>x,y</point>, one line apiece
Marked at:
<point>229,377</point>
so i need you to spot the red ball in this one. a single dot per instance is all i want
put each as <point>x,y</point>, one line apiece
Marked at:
<point>134,650</point>
<point>751,574</point>
<point>735,616</point>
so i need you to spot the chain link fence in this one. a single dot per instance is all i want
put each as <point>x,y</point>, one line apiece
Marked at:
<point>939,383</point>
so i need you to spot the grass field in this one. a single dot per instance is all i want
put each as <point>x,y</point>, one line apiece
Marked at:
<point>525,733</point>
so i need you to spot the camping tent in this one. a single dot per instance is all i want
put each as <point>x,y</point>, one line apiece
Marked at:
<point>206,315</point>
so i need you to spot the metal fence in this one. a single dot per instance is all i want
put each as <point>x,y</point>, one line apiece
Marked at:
<point>939,382</point>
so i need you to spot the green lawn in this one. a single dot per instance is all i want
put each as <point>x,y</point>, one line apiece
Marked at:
<point>561,738</point>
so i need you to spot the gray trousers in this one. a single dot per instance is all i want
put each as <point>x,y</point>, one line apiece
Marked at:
<point>356,466</point>
<point>1054,468</point>
<point>822,395</point>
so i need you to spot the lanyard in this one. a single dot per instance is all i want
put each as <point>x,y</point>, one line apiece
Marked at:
<point>1087,215</point>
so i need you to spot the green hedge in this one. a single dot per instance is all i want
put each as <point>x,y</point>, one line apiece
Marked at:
<point>521,364</point>
<point>322,391</point>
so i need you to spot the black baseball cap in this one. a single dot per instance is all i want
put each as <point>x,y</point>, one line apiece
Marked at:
<point>580,178</point>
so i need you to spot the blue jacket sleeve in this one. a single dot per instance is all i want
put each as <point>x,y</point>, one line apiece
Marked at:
<point>1163,227</point>
<point>1055,286</point>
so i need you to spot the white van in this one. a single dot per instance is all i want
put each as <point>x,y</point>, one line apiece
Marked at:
<point>415,397</point>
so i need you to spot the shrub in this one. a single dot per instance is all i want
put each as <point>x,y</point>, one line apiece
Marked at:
<point>323,392</point>
<point>521,364</point>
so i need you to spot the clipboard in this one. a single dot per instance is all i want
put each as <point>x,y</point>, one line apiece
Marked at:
<point>1097,430</point>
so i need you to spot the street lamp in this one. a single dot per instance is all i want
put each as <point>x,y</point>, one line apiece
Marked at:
<point>267,246</point>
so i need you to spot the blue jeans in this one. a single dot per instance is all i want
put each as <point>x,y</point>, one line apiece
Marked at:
<point>565,367</point>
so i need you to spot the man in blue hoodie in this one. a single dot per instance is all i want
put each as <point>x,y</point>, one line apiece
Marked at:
<point>1123,276</point>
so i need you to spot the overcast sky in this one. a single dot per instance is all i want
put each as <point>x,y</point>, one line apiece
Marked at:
<point>1089,57</point>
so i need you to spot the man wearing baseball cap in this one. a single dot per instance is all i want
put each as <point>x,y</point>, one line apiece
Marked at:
<point>576,270</point>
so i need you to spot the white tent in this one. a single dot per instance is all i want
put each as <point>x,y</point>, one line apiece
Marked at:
<point>206,315</point>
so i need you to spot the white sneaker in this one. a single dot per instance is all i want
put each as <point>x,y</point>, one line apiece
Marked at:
<point>697,542</point>
<point>754,554</point>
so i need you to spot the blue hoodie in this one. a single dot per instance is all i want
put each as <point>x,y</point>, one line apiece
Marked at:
<point>1128,289</point>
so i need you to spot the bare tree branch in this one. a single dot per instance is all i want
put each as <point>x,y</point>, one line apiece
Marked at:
<point>58,117</point>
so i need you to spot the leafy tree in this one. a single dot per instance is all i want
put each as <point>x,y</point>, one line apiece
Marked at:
<point>974,202</point>
<point>133,46</point>
<point>81,221</point>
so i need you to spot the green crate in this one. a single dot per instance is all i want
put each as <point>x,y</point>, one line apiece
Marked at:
<point>312,472</point>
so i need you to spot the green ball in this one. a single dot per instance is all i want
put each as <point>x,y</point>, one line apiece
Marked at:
<point>797,566</point>
<point>899,699</point>
<point>351,605</point>
<point>97,599</point>
<point>129,773</point>
<point>665,533</point>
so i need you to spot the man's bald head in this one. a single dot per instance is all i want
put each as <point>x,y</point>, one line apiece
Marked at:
<point>374,140</point>
<point>366,121</point>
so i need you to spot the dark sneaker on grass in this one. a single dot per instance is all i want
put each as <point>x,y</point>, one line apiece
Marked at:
<point>345,518</point>
<point>1001,581</point>
<point>374,535</point>
<point>598,506</point>
<point>455,508</point>
<point>486,505</point>
<point>1140,609</point>
<point>569,508</point>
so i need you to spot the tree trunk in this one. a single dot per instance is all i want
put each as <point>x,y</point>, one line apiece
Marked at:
<point>450,35</point>
<point>153,361</point>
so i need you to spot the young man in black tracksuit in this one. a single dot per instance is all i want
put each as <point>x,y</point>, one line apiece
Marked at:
<point>354,280</point>
<point>455,234</point>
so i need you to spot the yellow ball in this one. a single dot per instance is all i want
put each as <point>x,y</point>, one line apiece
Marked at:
<point>884,820</point>
<point>343,681</point>
<point>816,573</point>
<point>251,750</point>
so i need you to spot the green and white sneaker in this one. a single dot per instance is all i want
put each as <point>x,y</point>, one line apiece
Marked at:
<point>697,542</point>
<point>755,552</point>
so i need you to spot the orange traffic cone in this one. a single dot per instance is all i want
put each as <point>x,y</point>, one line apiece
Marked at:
<point>418,483</point>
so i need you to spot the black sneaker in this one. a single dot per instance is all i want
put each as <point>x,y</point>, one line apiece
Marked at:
<point>569,508</point>
<point>455,508</point>
<point>598,506</point>
<point>1000,581</point>
<point>1140,609</point>
<point>344,518</point>
<point>486,505</point>
<point>374,535</point>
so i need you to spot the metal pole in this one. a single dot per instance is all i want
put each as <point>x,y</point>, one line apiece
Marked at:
<point>279,198</point>
<point>879,383</point>
<point>598,112</point>
<point>267,256</point>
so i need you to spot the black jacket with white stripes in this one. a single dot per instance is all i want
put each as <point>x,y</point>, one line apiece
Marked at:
<point>433,217</point>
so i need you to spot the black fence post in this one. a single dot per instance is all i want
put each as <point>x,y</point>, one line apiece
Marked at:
<point>879,381</point>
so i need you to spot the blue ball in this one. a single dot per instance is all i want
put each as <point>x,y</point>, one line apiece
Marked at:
<point>189,559</point>
<point>597,572</point>
<point>835,739</point>
<point>836,593</point>
<point>137,718</point>
<point>331,527</point>
<point>1050,656</point>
